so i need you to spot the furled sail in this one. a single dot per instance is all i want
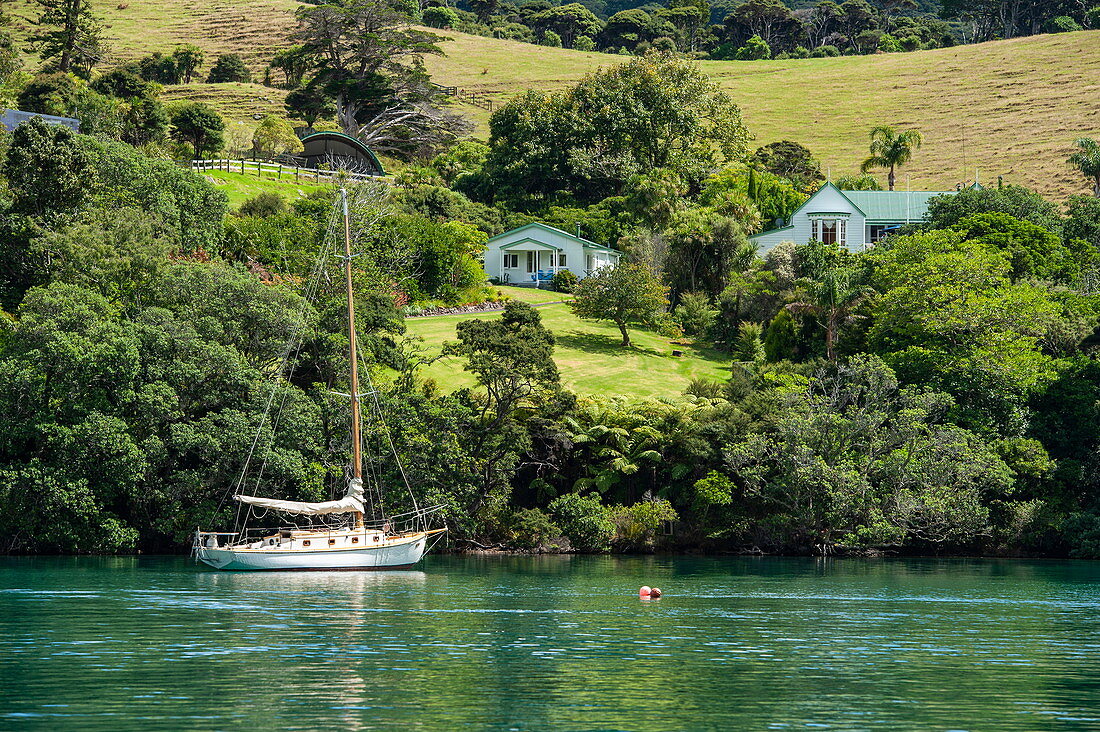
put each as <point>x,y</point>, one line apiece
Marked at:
<point>351,502</point>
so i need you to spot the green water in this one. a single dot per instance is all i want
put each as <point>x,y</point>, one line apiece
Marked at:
<point>558,643</point>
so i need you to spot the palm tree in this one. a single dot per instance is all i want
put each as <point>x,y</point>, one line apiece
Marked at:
<point>1087,160</point>
<point>891,150</point>
<point>833,297</point>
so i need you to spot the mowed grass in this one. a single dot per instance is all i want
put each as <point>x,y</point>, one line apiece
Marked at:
<point>532,295</point>
<point>590,356</point>
<point>240,187</point>
<point>1010,108</point>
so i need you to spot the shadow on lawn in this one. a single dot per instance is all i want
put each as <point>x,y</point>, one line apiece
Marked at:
<point>611,346</point>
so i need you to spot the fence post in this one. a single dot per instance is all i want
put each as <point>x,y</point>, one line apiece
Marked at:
<point>296,171</point>
<point>242,166</point>
<point>280,171</point>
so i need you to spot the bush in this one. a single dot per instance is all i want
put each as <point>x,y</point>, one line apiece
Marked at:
<point>755,49</point>
<point>800,52</point>
<point>531,529</point>
<point>704,388</point>
<point>694,313</point>
<point>584,43</point>
<point>229,67</point>
<point>563,281</point>
<point>263,205</point>
<point>436,17</point>
<point>910,43</point>
<point>551,39</point>
<point>584,520</point>
<point>1061,24</point>
<point>824,51</point>
<point>636,526</point>
<point>889,44</point>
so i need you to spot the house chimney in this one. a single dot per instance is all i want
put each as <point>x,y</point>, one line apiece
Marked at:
<point>579,230</point>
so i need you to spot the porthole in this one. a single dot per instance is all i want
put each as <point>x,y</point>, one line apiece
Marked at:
<point>331,542</point>
<point>376,537</point>
<point>305,542</point>
<point>355,540</point>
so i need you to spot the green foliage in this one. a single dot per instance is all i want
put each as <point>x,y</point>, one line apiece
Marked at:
<point>49,173</point>
<point>531,529</point>
<point>891,149</point>
<point>755,49</point>
<point>947,211</point>
<point>951,318</point>
<point>54,94</point>
<point>864,182</point>
<point>584,520</point>
<point>636,526</point>
<point>790,160</point>
<point>229,68</point>
<point>695,314</point>
<point>715,489</point>
<point>263,205</point>
<point>275,136</point>
<point>653,112</point>
<point>200,126</point>
<point>564,281</point>
<point>781,339</point>
<point>1087,160</point>
<point>625,294</point>
<point>551,39</point>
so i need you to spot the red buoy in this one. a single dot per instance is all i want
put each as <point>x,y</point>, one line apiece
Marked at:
<point>644,591</point>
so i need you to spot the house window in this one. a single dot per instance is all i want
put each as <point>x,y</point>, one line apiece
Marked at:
<point>878,232</point>
<point>511,261</point>
<point>561,259</point>
<point>531,262</point>
<point>829,231</point>
<point>588,263</point>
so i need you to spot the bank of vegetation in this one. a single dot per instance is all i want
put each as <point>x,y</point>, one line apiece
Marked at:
<point>937,393</point>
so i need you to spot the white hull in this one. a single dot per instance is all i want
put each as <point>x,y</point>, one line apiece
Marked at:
<point>348,550</point>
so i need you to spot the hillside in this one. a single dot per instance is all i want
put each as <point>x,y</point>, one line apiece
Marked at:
<point>1003,108</point>
<point>1006,107</point>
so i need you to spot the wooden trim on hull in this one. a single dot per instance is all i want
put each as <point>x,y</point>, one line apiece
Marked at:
<point>395,568</point>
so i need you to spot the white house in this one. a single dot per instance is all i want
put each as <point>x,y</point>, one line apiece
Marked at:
<point>533,253</point>
<point>854,219</point>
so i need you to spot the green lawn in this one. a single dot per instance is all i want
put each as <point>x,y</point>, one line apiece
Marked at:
<point>532,295</point>
<point>241,187</point>
<point>589,355</point>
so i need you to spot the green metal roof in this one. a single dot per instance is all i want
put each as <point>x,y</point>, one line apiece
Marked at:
<point>536,225</point>
<point>354,142</point>
<point>893,206</point>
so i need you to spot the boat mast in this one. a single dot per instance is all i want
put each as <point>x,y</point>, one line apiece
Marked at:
<point>356,443</point>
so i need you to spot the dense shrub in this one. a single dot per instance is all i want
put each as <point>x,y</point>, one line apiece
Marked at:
<point>584,520</point>
<point>563,281</point>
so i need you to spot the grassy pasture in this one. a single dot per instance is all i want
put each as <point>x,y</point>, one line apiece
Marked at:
<point>588,354</point>
<point>1008,108</point>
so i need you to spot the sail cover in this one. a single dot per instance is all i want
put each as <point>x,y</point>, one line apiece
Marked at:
<point>350,503</point>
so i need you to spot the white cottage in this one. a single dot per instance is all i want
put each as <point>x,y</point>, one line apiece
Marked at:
<point>854,219</point>
<point>532,254</point>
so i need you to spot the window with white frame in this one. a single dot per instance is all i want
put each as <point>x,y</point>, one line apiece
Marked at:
<point>511,261</point>
<point>561,259</point>
<point>829,231</point>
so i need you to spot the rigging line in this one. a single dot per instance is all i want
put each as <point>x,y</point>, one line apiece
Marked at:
<point>389,438</point>
<point>309,295</point>
<point>295,344</point>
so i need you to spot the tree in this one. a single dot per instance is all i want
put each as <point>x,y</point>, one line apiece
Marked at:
<point>789,159</point>
<point>48,171</point>
<point>202,127</point>
<point>274,136</point>
<point>1087,160</point>
<point>75,36</point>
<point>890,149</point>
<point>309,103</point>
<point>295,62</point>
<point>705,248</point>
<point>370,60</point>
<point>624,294</point>
<point>835,290</point>
<point>484,9</point>
<point>229,67</point>
<point>188,58</point>
<point>763,18</point>
<point>568,21</point>
<point>49,94</point>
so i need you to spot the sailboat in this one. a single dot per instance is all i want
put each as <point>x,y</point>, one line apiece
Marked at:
<point>349,543</point>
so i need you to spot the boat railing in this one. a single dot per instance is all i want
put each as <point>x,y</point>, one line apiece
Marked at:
<point>401,523</point>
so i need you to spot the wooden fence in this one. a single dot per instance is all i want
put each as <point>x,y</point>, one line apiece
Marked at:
<point>470,97</point>
<point>277,170</point>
